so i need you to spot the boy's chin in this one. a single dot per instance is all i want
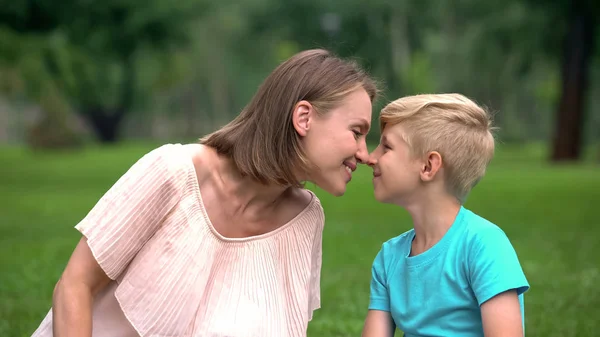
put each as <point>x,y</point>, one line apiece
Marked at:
<point>380,196</point>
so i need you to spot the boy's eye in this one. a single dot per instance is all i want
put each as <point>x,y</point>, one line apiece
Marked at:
<point>356,133</point>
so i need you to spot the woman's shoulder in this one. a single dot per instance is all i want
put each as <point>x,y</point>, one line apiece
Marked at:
<point>308,204</point>
<point>180,159</point>
<point>301,196</point>
<point>170,161</point>
<point>202,158</point>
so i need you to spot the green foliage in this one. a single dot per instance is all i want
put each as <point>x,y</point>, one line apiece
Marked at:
<point>286,49</point>
<point>158,55</point>
<point>548,88</point>
<point>53,130</point>
<point>549,213</point>
<point>418,78</point>
<point>90,49</point>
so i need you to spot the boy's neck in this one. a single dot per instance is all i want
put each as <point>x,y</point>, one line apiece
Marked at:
<point>432,217</point>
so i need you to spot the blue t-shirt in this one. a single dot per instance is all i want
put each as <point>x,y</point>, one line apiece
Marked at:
<point>439,292</point>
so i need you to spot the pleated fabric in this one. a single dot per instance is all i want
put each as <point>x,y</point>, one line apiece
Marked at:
<point>176,276</point>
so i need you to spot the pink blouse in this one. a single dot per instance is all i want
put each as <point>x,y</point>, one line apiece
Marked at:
<point>176,276</point>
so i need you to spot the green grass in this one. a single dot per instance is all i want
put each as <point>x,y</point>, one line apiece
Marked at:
<point>550,213</point>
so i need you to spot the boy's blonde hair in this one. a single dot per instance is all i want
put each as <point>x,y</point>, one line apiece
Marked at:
<point>451,124</point>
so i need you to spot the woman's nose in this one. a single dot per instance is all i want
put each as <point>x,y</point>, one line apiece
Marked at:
<point>362,155</point>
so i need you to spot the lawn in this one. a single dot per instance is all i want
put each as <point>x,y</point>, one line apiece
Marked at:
<point>550,213</point>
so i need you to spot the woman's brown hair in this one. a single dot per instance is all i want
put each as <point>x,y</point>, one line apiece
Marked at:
<point>261,140</point>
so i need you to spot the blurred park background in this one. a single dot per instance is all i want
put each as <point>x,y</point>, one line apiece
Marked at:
<point>87,87</point>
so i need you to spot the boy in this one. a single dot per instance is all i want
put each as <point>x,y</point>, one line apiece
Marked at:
<point>454,273</point>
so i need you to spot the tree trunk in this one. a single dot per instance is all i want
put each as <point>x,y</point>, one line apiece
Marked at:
<point>105,124</point>
<point>106,121</point>
<point>578,46</point>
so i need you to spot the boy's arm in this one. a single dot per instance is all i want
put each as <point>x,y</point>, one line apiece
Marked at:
<point>497,280</point>
<point>379,324</point>
<point>501,315</point>
<point>379,321</point>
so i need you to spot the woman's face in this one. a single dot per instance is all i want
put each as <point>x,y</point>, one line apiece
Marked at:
<point>336,141</point>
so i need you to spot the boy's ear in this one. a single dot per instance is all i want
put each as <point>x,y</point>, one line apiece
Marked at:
<point>432,164</point>
<point>302,117</point>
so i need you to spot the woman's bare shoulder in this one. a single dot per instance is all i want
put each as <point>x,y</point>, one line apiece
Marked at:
<point>301,196</point>
<point>204,160</point>
<point>300,200</point>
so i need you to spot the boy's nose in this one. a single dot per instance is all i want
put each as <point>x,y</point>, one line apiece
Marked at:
<point>371,161</point>
<point>373,157</point>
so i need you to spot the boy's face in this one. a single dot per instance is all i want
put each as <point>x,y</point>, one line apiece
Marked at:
<point>396,176</point>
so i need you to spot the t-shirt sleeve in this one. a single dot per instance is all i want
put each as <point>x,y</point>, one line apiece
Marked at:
<point>133,209</point>
<point>494,266</point>
<point>379,295</point>
<point>314,293</point>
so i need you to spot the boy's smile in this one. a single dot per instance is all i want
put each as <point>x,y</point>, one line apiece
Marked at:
<point>392,157</point>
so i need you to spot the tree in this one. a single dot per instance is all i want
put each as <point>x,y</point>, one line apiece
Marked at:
<point>578,47</point>
<point>573,22</point>
<point>98,45</point>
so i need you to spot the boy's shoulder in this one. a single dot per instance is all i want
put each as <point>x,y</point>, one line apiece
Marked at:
<point>479,228</point>
<point>392,250</point>
<point>484,239</point>
<point>396,243</point>
<point>476,233</point>
<point>492,261</point>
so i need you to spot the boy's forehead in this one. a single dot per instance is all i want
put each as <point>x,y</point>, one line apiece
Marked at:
<point>393,133</point>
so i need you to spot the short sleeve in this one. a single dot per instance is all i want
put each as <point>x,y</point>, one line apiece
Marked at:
<point>379,295</point>
<point>314,299</point>
<point>132,210</point>
<point>494,266</point>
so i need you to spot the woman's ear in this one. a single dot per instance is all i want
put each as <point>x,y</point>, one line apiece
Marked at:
<point>302,117</point>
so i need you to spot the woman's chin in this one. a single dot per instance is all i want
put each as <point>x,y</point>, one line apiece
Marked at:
<point>336,189</point>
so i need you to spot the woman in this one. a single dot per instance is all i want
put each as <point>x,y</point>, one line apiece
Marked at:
<point>219,238</point>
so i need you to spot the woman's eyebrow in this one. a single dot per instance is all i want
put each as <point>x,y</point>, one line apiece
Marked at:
<point>363,124</point>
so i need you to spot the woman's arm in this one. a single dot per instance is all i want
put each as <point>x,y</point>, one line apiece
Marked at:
<point>73,294</point>
<point>116,229</point>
